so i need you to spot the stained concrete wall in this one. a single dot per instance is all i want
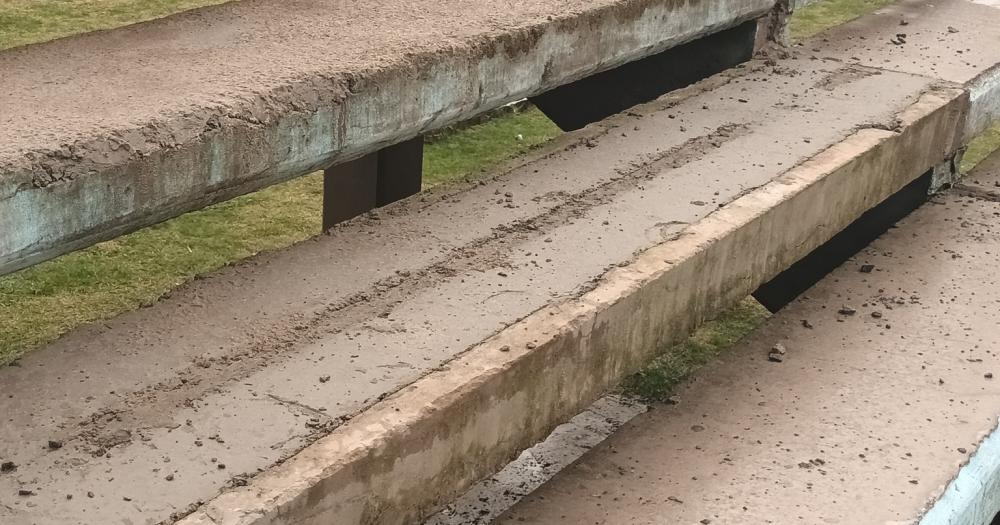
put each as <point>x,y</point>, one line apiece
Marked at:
<point>68,196</point>
<point>416,450</point>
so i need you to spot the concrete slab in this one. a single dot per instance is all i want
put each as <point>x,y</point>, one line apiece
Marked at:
<point>349,319</point>
<point>108,132</point>
<point>867,420</point>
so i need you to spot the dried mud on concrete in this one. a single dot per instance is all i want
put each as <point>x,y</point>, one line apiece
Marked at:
<point>247,366</point>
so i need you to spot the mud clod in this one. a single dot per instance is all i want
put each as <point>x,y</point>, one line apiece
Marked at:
<point>777,353</point>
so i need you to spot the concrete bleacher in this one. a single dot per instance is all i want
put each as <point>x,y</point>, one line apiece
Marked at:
<point>370,375</point>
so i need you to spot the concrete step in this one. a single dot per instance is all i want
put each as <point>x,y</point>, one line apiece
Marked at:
<point>376,373</point>
<point>111,131</point>
<point>887,415</point>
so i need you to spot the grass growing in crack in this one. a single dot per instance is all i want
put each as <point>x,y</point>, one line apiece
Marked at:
<point>658,380</point>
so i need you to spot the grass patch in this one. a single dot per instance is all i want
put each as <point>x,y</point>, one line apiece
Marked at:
<point>658,380</point>
<point>812,19</point>
<point>453,155</point>
<point>29,21</point>
<point>980,148</point>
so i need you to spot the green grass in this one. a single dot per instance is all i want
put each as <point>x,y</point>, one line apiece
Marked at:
<point>673,366</point>
<point>29,21</point>
<point>812,19</point>
<point>980,148</point>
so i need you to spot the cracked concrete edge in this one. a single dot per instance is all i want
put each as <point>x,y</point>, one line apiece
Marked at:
<point>973,495</point>
<point>984,105</point>
<point>415,451</point>
<point>62,203</point>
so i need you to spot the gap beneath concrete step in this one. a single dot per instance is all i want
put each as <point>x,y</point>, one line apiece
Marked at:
<point>789,284</point>
<point>597,97</point>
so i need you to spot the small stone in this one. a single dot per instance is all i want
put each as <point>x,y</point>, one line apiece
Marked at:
<point>505,348</point>
<point>705,521</point>
<point>867,268</point>
<point>914,482</point>
<point>673,400</point>
<point>531,346</point>
<point>55,445</point>
<point>806,324</point>
<point>90,494</point>
<point>777,353</point>
<point>170,477</point>
<point>988,375</point>
<point>962,450</point>
<point>324,379</point>
<point>952,29</point>
<point>876,314</point>
<point>697,428</point>
<point>221,466</point>
<point>69,496</point>
<point>25,492</point>
<point>847,310</point>
<point>8,466</point>
<point>126,498</point>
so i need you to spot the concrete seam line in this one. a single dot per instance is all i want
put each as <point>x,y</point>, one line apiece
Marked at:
<point>402,458</point>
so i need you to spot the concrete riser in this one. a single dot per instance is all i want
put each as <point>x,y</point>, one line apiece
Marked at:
<point>399,461</point>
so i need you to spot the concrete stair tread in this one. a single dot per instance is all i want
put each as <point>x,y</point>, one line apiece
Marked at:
<point>867,420</point>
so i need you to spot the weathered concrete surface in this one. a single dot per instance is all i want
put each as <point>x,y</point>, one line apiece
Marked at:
<point>489,498</point>
<point>250,372</point>
<point>866,420</point>
<point>953,40</point>
<point>404,456</point>
<point>108,132</point>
